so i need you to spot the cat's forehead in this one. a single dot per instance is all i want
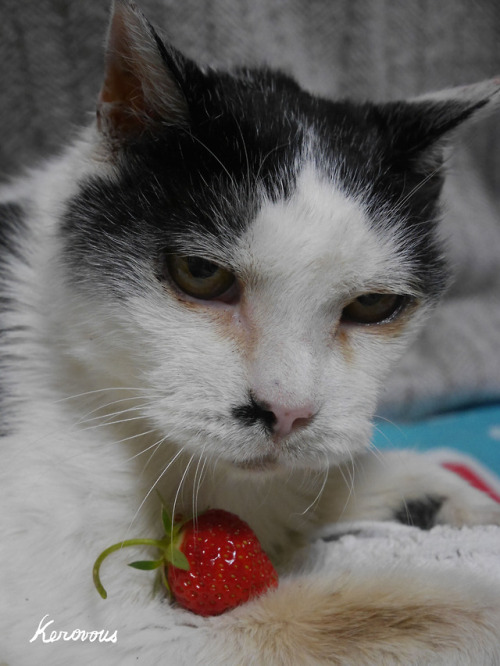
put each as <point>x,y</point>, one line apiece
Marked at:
<point>320,235</point>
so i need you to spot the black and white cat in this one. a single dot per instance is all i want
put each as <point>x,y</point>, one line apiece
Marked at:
<point>203,296</point>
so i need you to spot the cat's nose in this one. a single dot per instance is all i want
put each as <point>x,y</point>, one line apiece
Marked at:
<point>278,419</point>
<point>288,420</point>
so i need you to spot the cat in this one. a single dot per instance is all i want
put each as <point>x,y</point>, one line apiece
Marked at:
<point>203,296</point>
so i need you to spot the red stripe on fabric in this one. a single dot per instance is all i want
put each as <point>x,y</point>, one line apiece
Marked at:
<point>473,478</point>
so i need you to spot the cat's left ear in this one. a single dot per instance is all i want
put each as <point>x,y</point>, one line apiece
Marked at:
<point>142,81</point>
<point>421,127</point>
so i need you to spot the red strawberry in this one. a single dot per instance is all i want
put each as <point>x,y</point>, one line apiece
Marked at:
<point>227,565</point>
<point>210,564</point>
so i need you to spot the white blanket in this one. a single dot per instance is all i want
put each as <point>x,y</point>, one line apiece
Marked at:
<point>466,550</point>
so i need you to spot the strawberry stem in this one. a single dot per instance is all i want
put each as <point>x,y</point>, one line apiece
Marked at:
<point>161,544</point>
<point>163,575</point>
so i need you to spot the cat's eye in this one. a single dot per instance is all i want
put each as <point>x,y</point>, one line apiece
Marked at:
<point>373,308</point>
<point>201,278</point>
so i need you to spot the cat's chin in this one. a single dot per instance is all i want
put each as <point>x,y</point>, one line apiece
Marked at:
<point>266,464</point>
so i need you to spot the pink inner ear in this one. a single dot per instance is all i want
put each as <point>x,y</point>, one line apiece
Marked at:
<point>121,100</point>
<point>138,89</point>
<point>122,107</point>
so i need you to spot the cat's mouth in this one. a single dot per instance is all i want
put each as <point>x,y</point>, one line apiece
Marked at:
<point>259,464</point>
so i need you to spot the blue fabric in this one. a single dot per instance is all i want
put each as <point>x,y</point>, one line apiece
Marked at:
<point>474,431</point>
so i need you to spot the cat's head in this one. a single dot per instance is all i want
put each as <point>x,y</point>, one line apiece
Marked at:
<point>252,258</point>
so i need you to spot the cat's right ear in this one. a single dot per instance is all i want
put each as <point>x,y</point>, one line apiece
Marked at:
<point>142,84</point>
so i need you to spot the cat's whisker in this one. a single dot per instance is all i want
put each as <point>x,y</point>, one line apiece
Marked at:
<point>247,159</point>
<point>373,448</point>
<point>406,509</point>
<point>83,419</point>
<point>266,156</point>
<point>349,482</point>
<point>113,423</point>
<point>217,159</point>
<point>75,454</point>
<point>107,415</point>
<point>102,390</point>
<point>146,497</point>
<point>322,488</point>
<point>351,469</point>
<point>156,445</point>
<point>402,202</point>
<point>104,406</point>
<point>305,480</point>
<point>378,417</point>
<point>215,462</point>
<point>395,425</point>
<point>198,480</point>
<point>179,487</point>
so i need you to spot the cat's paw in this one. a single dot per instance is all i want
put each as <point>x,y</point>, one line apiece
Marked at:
<point>454,502</point>
<point>462,506</point>
<point>468,506</point>
<point>416,490</point>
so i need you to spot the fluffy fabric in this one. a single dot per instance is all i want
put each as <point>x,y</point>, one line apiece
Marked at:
<point>465,550</point>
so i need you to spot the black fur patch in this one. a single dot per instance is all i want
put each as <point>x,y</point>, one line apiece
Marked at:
<point>420,512</point>
<point>255,412</point>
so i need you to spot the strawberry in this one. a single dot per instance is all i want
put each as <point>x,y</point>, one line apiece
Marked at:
<point>209,564</point>
<point>227,564</point>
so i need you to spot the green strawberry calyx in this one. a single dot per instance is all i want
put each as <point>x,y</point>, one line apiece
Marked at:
<point>169,546</point>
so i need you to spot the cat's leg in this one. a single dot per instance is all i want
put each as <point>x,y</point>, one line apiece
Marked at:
<point>407,487</point>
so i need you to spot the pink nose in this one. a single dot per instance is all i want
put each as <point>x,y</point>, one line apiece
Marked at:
<point>290,419</point>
